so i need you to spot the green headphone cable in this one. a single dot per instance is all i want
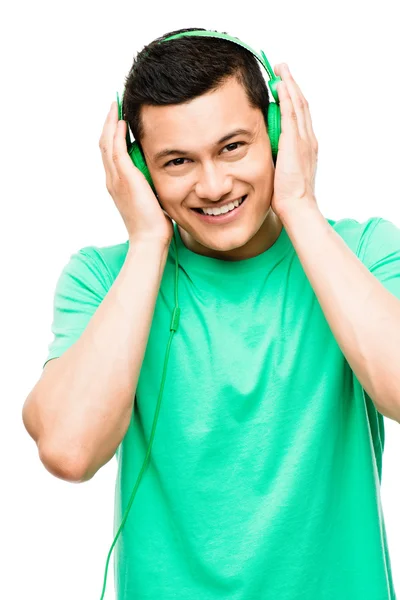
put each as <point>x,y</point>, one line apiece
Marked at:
<point>173,328</point>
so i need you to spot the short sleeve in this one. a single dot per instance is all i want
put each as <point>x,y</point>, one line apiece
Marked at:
<point>382,254</point>
<point>80,289</point>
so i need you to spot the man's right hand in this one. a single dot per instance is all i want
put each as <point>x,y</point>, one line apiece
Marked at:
<point>141,212</point>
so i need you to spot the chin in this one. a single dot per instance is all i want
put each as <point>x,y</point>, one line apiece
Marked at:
<point>226,241</point>
<point>231,243</point>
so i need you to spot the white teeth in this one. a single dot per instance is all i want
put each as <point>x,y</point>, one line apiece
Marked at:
<point>224,209</point>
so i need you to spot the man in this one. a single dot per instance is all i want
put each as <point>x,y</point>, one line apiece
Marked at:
<point>266,462</point>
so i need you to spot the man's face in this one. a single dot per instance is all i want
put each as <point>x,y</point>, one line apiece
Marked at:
<point>203,172</point>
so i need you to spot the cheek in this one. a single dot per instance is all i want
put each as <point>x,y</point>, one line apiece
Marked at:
<point>258,166</point>
<point>171,190</point>
<point>258,171</point>
<point>169,199</point>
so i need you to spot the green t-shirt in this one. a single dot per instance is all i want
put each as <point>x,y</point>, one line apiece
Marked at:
<point>265,472</point>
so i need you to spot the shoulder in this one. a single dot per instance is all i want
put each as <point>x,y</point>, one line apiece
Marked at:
<point>365,237</point>
<point>102,262</point>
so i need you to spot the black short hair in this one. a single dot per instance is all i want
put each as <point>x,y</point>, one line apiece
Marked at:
<point>184,68</point>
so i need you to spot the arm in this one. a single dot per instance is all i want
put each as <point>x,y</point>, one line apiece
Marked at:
<point>363,315</point>
<point>80,409</point>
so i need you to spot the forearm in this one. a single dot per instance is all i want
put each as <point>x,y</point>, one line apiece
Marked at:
<point>84,404</point>
<point>364,317</point>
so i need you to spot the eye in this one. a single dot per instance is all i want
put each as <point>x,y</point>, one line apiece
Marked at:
<point>175,164</point>
<point>234,144</point>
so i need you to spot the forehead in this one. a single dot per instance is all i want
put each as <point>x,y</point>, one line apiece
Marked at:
<point>201,120</point>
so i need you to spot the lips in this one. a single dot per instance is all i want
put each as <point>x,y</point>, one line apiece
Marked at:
<point>199,210</point>
<point>224,218</point>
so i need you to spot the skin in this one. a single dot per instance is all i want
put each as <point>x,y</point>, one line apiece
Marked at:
<point>209,174</point>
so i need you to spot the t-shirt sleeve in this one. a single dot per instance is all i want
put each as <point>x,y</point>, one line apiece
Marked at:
<point>382,257</point>
<point>382,254</point>
<point>80,289</point>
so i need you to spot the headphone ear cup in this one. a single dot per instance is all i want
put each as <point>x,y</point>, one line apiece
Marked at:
<point>274,127</point>
<point>139,161</point>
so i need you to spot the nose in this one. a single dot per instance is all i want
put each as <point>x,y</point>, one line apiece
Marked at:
<point>213,183</point>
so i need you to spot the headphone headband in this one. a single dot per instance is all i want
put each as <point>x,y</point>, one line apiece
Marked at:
<point>273,79</point>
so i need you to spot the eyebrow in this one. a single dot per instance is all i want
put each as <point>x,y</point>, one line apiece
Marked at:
<point>169,151</point>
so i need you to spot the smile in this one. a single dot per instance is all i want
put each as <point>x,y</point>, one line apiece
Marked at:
<point>223,217</point>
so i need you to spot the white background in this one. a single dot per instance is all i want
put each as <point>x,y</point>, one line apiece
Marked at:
<point>62,64</point>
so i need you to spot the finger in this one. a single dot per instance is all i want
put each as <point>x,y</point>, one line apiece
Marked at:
<point>306,112</point>
<point>121,160</point>
<point>107,140</point>
<point>289,125</point>
<point>298,101</point>
<point>306,109</point>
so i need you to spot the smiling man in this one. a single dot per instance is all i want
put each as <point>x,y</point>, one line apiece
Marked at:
<point>265,467</point>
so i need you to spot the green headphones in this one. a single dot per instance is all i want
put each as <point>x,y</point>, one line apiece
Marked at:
<point>272,113</point>
<point>273,117</point>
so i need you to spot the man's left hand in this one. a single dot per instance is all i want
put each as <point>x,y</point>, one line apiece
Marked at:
<point>296,162</point>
